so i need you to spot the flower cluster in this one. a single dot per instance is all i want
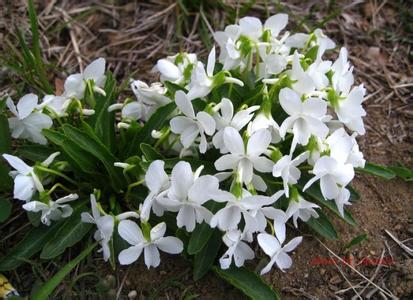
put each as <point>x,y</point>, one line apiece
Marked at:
<point>245,140</point>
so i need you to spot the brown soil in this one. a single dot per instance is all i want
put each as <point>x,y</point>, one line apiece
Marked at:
<point>379,38</point>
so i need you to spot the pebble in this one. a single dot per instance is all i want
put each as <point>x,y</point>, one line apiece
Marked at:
<point>132,294</point>
<point>322,272</point>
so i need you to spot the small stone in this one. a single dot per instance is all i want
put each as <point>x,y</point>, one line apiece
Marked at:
<point>322,271</point>
<point>372,252</point>
<point>132,294</point>
<point>335,279</point>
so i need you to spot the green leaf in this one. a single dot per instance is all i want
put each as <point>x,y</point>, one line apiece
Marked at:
<point>403,172</point>
<point>354,195</point>
<point>202,232</point>
<point>5,209</point>
<point>5,139</point>
<point>357,240</point>
<point>150,153</point>
<point>90,143</point>
<point>155,122</point>
<point>204,260</point>
<point>322,226</point>
<point>27,247</point>
<point>45,290</point>
<point>69,233</point>
<point>104,121</point>
<point>6,182</point>
<point>248,282</point>
<point>315,193</point>
<point>77,157</point>
<point>34,153</point>
<point>377,170</point>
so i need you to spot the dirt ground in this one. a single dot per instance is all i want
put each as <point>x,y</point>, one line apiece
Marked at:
<point>379,37</point>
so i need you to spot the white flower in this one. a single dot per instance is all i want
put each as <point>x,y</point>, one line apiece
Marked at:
<point>350,111</point>
<point>54,210</point>
<point>342,79</point>
<point>75,84</point>
<point>332,175</point>
<point>57,104</point>
<point>278,254</point>
<point>305,118</point>
<point>237,249</point>
<point>28,123</point>
<point>264,121</point>
<point>250,207</point>
<point>302,81</point>
<point>191,126</point>
<point>26,182</point>
<point>253,29</point>
<point>245,159</point>
<point>157,182</point>
<point>342,199</point>
<point>104,224</point>
<point>135,110</point>
<point>299,208</point>
<point>324,43</point>
<point>227,119</point>
<point>344,148</point>
<point>317,71</point>
<point>131,233</point>
<point>297,40</point>
<point>202,81</point>
<point>177,68</point>
<point>187,194</point>
<point>230,55</point>
<point>286,168</point>
<point>153,95</point>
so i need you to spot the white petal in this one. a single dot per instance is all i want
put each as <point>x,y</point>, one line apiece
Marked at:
<point>156,177</point>
<point>226,162</point>
<point>207,121</point>
<point>158,231</point>
<point>130,232</point>
<point>317,108</point>
<point>283,261</point>
<point>262,164</point>
<point>95,70</point>
<point>251,26</point>
<point>168,69</point>
<point>258,142</point>
<point>291,245</point>
<point>276,23</point>
<point>184,104</point>
<point>211,62</point>
<point>186,218</point>
<point>182,179</point>
<point>170,245</point>
<point>246,170</point>
<point>26,105</point>
<point>130,255</point>
<point>203,189</point>
<point>233,141</point>
<point>179,124</point>
<point>152,258</point>
<point>227,109</point>
<point>106,225</point>
<point>11,106</point>
<point>268,243</point>
<point>290,101</point>
<point>328,187</point>
<point>18,164</point>
<point>35,206</point>
<point>24,188</point>
<point>68,198</point>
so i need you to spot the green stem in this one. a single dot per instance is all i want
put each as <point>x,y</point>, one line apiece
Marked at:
<point>57,173</point>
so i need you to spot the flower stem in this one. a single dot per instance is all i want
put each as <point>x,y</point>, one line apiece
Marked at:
<point>57,173</point>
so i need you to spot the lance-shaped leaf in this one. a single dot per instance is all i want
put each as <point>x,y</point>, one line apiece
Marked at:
<point>322,226</point>
<point>377,170</point>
